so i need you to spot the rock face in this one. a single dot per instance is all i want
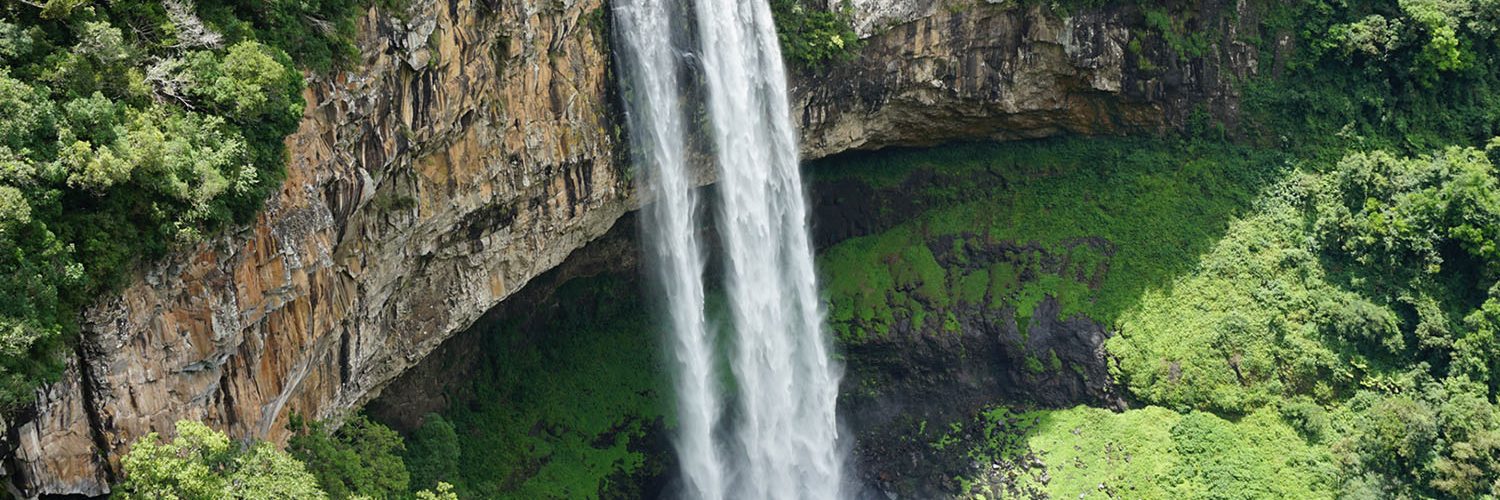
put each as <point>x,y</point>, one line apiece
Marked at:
<point>939,71</point>
<point>476,148</point>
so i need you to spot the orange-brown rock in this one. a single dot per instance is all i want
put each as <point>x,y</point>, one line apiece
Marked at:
<point>474,150</point>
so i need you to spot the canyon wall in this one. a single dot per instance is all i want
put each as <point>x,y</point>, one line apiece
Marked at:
<point>476,146</point>
<point>937,71</point>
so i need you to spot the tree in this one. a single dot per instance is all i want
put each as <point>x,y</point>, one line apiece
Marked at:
<point>201,463</point>
<point>444,491</point>
<point>432,455</point>
<point>35,270</point>
<point>130,127</point>
<point>27,117</point>
<point>248,83</point>
<point>362,459</point>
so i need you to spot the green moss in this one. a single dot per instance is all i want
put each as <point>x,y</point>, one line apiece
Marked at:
<point>1174,30</point>
<point>1004,281</point>
<point>1146,206</point>
<point>973,287</point>
<point>1034,365</point>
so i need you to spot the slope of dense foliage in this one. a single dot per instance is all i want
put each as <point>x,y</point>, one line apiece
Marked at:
<point>1154,205</point>
<point>1362,304</point>
<point>1348,311</point>
<point>1336,337</point>
<point>130,127</point>
<point>558,407</point>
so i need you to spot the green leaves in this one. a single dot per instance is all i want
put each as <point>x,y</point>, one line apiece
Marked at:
<point>1440,21</point>
<point>201,463</point>
<point>14,41</point>
<point>561,402</point>
<point>1370,291</point>
<point>1373,36</point>
<point>27,117</point>
<point>434,451</point>
<point>13,208</point>
<point>1392,212</point>
<point>811,38</point>
<point>1244,329</point>
<point>362,459</point>
<point>246,84</point>
<point>36,270</point>
<point>126,128</point>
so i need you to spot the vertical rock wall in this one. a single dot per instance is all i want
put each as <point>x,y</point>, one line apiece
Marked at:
<point>935,71</point>
<point>473,150</point>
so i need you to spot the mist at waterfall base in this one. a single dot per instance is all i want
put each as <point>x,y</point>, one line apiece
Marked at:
<point>756,398</point>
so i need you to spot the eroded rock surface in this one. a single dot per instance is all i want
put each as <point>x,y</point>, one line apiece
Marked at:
<point>935,71</point>
<point>475,150</point>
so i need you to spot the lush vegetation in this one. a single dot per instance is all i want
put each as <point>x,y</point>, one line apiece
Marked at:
<point>1147,453</point>
<point>1410,74</point>
<point>1336,332</point>
<point>360,461</point>
<point>1315,322</point>
<point>1312,312</point>
<point>128,128</point>
<point>560,406</point>
<point>363,459</point>
<point>1158,453</point>
<point>201,463</point>
<point>811,37</point>
<point>578,432</point>
<point>1360,304</point>
<point>1006,224</point>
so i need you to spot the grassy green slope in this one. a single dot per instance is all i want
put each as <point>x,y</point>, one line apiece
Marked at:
<point>1155,205</point>
<point>1329,330</point>
<point>1154,452</point>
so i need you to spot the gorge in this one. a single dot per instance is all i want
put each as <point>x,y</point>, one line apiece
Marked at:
<point>1067,247</point>
<point>253,290</point>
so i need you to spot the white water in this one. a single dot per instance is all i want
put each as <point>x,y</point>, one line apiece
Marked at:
<point>654,115</point>
<point>778,438</point>
<point>787,385</point>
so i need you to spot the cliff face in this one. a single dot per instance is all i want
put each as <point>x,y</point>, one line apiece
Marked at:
<point>945,70</point>
<point>476,148</point>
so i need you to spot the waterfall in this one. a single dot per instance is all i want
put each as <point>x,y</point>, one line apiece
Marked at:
<point>787,385</point>
<point>654,117</point>
<point>774,435</point>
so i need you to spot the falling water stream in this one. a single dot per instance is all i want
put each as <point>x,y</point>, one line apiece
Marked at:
<point>650,65</point>
<point>772,433</point>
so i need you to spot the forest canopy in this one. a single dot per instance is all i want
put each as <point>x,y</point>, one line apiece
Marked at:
<point>128,128</point>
